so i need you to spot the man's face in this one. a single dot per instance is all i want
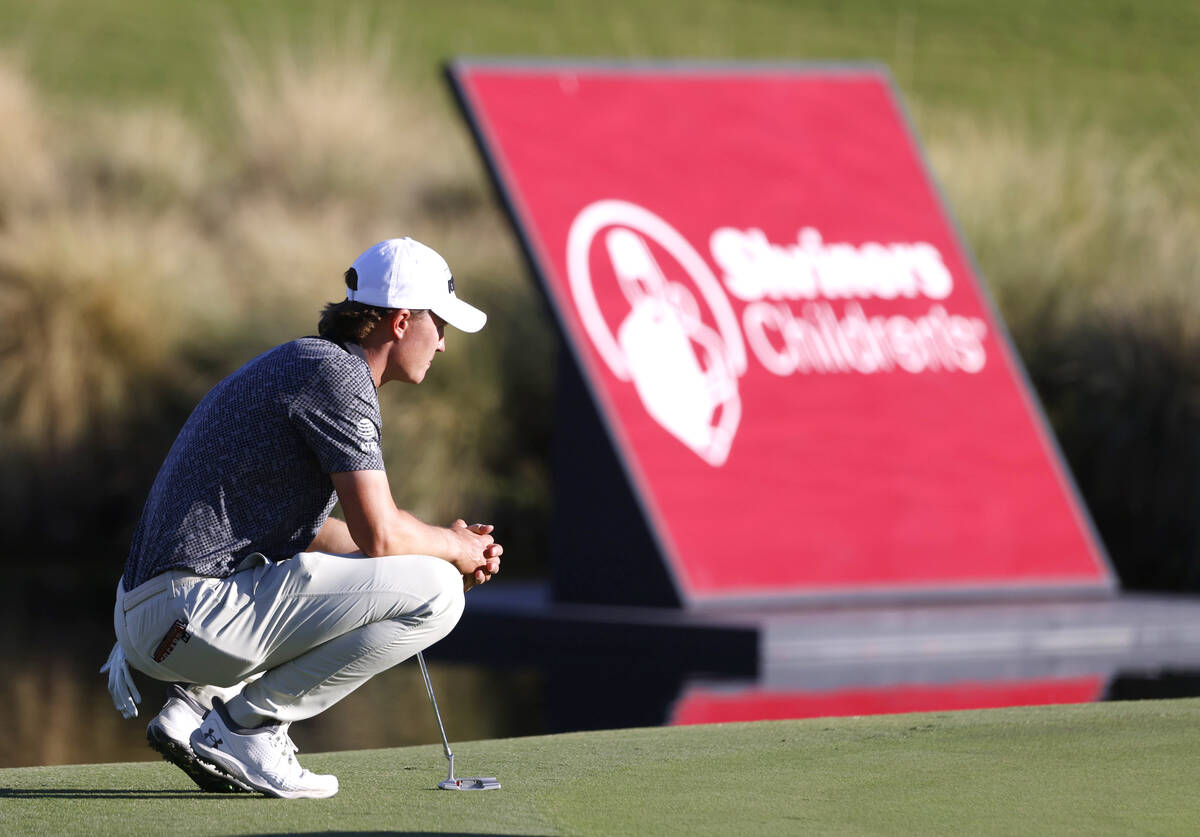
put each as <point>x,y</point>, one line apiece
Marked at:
<point>424,336</point>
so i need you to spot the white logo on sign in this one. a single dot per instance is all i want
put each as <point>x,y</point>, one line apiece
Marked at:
<point>686,372</point>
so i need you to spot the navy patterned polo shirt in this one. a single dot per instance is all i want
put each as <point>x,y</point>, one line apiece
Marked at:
<point>250,469</point>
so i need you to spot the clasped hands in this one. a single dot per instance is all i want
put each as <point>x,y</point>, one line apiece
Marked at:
<point>480,554</point>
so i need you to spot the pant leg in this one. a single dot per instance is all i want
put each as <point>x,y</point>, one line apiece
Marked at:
<point>305,685</point>
<point>204,693</point>
<point>317,626</point>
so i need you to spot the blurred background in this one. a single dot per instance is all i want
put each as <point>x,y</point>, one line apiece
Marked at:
<point>182,185</point>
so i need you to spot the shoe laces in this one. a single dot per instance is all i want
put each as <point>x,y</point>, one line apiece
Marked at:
<point>287,747</point>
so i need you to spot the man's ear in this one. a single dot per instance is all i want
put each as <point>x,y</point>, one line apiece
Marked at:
<point>399,320</point>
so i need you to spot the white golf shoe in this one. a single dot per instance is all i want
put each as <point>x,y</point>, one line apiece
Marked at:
<point>263,758</point>
<point>170,733</point>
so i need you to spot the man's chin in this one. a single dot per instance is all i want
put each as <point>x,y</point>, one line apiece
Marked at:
<point>406,377</point>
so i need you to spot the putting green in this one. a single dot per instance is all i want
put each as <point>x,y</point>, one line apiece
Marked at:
<point>1116,768</point>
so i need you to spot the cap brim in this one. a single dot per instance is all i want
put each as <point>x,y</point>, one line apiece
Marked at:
<point>459,314</point>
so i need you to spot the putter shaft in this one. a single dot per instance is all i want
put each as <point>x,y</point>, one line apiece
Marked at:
<point>450,783</point>
<point>436,713</point>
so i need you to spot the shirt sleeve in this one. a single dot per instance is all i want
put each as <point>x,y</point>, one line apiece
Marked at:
<point>337,413</point>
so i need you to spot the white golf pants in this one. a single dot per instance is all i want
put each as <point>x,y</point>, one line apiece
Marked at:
<point>316,627</point>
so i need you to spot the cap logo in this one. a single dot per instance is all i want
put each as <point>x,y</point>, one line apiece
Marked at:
<point>352,279</point>
<point>450,284</point>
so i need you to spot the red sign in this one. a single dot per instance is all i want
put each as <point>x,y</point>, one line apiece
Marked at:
<point>781,329</point>
<point>700,705</point>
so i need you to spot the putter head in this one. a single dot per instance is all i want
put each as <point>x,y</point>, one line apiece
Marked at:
<point>474,783</point>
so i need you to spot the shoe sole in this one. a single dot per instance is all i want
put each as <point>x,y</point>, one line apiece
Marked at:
<point>255,782</point>
<point>208,778</point>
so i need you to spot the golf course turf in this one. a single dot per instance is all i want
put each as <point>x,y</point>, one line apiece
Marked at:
<point>1110,768</point>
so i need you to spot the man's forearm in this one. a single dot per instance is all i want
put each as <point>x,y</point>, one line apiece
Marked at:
<point>405,534</point>
<point>379,527</point>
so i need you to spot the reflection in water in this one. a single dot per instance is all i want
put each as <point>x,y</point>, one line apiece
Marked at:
<point>58,709</point>
<point>59,712</point>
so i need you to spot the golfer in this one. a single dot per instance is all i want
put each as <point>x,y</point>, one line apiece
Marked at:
<point>241,590</point>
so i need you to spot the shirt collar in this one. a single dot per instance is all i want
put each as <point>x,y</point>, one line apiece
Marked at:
<point>357,351</point>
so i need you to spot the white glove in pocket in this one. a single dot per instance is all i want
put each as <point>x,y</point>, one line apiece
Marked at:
<point>125,695</point>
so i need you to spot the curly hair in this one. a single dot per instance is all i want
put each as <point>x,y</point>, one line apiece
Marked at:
<point>349,322</point>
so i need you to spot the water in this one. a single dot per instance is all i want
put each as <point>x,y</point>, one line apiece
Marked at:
<point>56,632</point>
<point>58,710</point>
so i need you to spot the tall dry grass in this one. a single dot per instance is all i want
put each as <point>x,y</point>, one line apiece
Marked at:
<point>29,175</point>
<point>1094,259</point>
<point>1066,226</point>
<point>94,308</point>
<point>320,117</point>
<point>143,156</point>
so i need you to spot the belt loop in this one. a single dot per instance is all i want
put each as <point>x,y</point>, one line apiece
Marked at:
<point>144,591</point>
<point>254,559</point>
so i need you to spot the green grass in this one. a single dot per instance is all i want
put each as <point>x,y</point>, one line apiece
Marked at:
<point>1117,768</point>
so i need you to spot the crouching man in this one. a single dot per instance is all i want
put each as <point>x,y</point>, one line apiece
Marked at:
<point>241,590</point>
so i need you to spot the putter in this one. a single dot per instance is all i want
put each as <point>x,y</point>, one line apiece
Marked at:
<point>450,783</point>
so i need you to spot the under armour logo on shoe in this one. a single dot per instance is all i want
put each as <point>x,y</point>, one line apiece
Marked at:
<point>211,738</point>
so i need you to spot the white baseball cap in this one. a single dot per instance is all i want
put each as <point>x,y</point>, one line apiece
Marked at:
<point>403,273</point>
